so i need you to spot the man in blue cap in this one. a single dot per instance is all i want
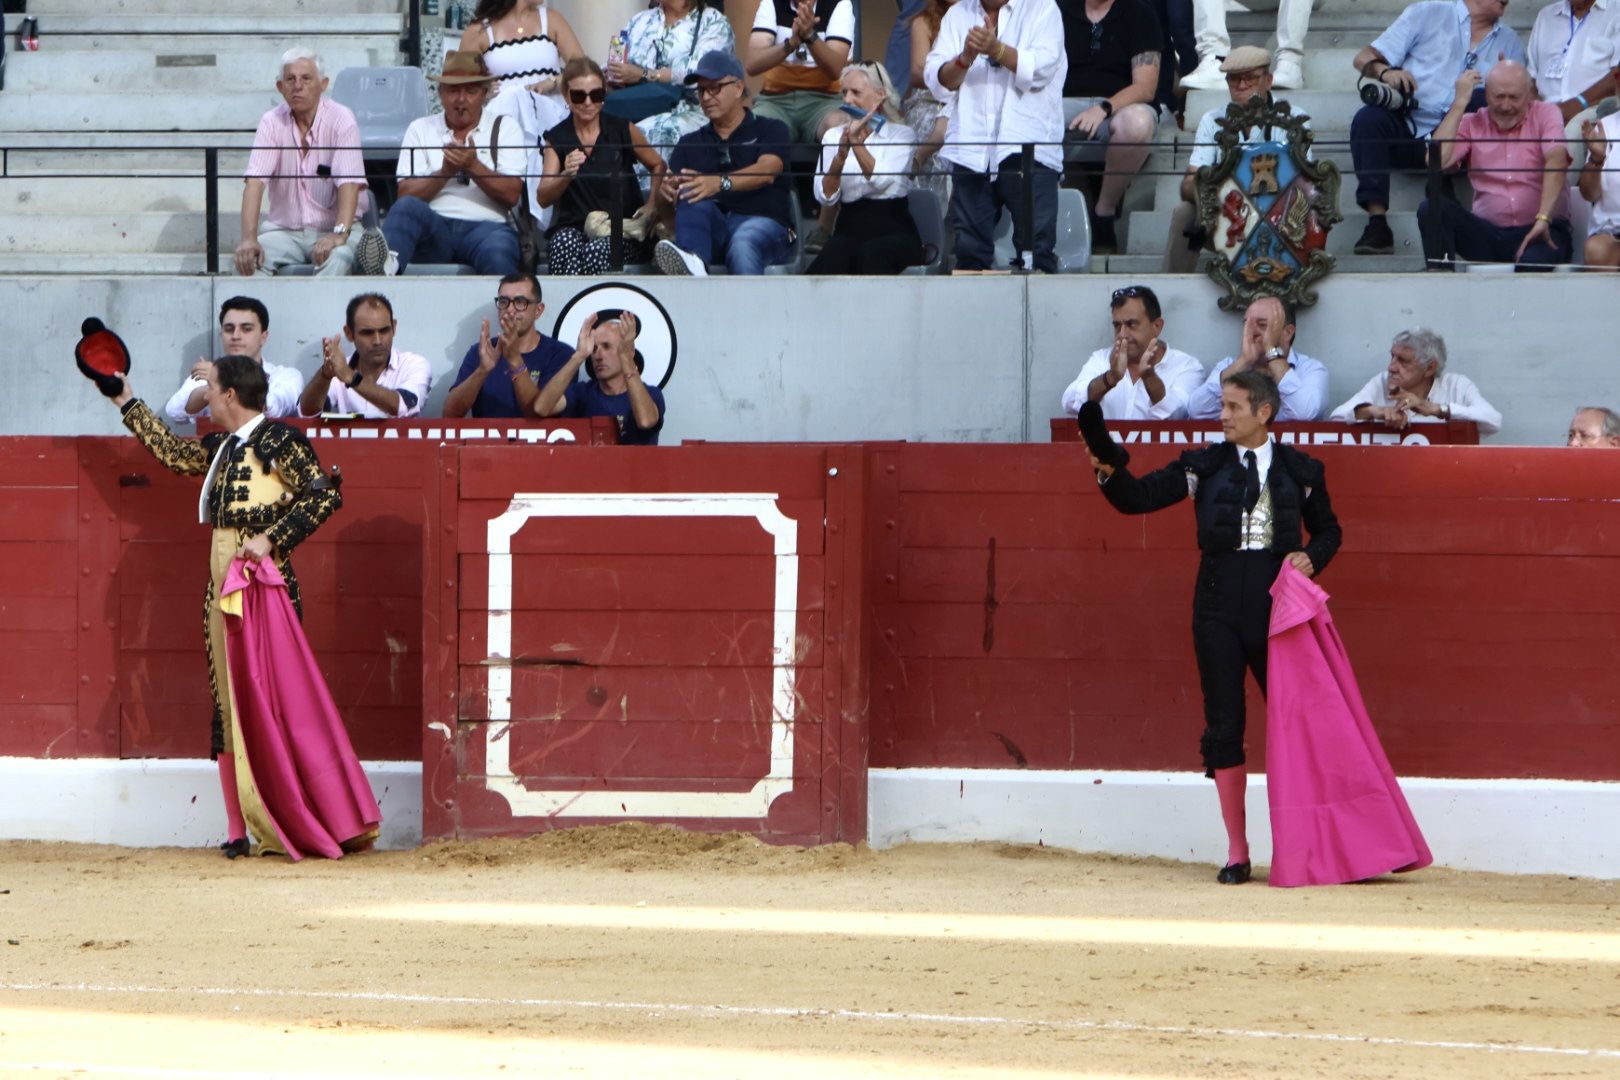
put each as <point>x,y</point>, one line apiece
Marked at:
<point>727,181</point>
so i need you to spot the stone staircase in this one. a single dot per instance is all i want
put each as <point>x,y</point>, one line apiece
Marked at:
<point>1337,33</point>
<point>103,130</point>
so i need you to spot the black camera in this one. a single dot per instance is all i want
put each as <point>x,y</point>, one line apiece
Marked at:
<point>1381,95</point>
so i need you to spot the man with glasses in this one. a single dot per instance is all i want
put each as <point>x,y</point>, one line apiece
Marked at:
<point>727,182</point>
<point>378,382</point>
<point>1248,76</point>
<point>1420,58</point>
<point>1139,377</point>
<point>456,185</point>
<point>500,377</point>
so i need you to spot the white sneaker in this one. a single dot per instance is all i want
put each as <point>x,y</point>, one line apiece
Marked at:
<point>1206,76</point>
<point>1288,74</point>
<point>676,262</point>
<point>391,264</point>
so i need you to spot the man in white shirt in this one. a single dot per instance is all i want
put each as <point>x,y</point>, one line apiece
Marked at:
<point>1268,346</point>
<point>1248,76</point>
<point>378,382</point>
<point>1594,428</point>
<point>1002,63</point>
<point>1574,56</point>
<point>457,182</point>
<point>244,327</point>
<point>1603,239</point>
<point>1139,377</point>
<point>1416,388</point>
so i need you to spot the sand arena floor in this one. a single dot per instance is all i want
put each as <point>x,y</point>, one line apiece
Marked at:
<point>631,951</point>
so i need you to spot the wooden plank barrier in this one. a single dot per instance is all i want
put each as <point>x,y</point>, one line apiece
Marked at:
<point>728,636</point>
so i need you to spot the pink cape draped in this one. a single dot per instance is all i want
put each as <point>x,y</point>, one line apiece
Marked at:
<point>303,765</point>
<point>1337,812</point>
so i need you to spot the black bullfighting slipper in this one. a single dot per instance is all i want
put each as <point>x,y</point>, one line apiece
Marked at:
<point>1234,874</point>
<point>1095,432</point>
<point>235,849</point>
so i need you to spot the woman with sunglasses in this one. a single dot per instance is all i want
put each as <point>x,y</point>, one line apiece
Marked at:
<point>588,171</point>
<point>865,170</point>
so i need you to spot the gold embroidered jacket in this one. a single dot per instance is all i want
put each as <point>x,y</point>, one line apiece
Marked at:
<point>311,498</point>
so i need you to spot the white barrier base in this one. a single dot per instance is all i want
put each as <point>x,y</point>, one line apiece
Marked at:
<point>1507,826</point>
<point>162,803</point>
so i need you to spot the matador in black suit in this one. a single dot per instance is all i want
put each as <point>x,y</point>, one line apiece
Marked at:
<point>1255,501</point>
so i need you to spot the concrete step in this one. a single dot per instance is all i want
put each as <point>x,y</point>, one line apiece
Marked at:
<point>384,44</point>
<point>1140,266</point>
<point>139,72</point>
<point>38,111</point>
<point>102,264</point>
<point>58,196</point>
<point>1330,110</point>
<point>121,233</point>
<point>1149,231</point>
<point>1340,17</point>
<point>314,21</point>
<point>324,8</point>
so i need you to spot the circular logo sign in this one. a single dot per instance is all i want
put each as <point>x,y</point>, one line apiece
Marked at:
<point>655,341</point>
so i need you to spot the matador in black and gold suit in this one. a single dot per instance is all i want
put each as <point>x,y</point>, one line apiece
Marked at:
<point>272,484</point>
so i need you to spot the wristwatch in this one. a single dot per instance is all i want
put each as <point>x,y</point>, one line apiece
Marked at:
<point>725,184</point>
<point>354,383</point>
<point>340,230</point>
<point>1275,353</point>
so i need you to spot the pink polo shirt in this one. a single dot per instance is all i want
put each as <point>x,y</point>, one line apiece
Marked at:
<point>300,197</point>
<point>1505,167</point>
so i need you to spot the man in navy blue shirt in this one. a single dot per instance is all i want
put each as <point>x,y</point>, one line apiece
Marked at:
<point>727,181</point>
<point>608,340</point>
<point>501,377</point>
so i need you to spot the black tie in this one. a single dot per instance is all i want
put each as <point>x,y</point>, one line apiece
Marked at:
<point>1251,482</point>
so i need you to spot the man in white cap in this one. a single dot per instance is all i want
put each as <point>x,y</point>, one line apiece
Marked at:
<point>1215,44</point>
<point>1248,76</point>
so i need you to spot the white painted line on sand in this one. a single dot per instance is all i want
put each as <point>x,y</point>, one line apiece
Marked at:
<point>788,1012</point>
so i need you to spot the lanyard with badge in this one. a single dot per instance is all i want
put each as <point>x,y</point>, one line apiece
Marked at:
<point>1559,66</point>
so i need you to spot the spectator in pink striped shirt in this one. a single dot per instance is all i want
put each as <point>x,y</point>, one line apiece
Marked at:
<point>306,153</point>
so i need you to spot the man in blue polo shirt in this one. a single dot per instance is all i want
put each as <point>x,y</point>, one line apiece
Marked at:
<point>727,181</point>
<point>501,377</point>
<point>608,341</point>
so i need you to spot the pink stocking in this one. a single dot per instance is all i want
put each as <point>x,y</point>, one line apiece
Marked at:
<point>1231,785</point>
<point>233,801</point>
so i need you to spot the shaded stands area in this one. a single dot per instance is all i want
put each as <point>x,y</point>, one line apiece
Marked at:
<point>142,93</point>
<point>730,636</point>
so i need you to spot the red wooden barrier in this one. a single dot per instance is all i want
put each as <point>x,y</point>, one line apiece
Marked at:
<point>647,635</point>
<point>1302,433</point>
<point>968,606</point>
<point>1027,623</point>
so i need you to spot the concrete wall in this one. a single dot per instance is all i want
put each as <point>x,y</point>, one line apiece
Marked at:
<point>924,359</point>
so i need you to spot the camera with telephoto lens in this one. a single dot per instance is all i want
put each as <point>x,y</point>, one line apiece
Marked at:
<point>1381,95</point>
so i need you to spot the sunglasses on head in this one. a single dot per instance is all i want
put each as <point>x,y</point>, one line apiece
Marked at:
<point>1129,292</point>
<point>580,97</point>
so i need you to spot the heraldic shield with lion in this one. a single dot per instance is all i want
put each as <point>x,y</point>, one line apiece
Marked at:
<point>1266,208</point>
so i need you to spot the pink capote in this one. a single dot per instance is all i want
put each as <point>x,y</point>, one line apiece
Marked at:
<point>1337,812</point>
<point>303,765</point>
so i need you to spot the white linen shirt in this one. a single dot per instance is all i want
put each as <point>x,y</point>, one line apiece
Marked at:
<point>1304,390</point>
<point>422,153</point>
<point>1567,55</point>
<point>405,372</point>
<point>997,110</point>
<point>281,400</point>
<point>1129,399</point>
<point>891,150</point>
<point>1458,392</point>
<point>1606,211</point>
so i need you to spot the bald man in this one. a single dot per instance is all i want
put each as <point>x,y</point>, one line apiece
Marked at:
<point>1516,154</point>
